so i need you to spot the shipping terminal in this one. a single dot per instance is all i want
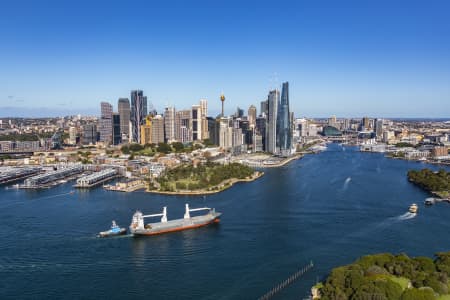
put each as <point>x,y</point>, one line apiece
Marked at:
<point>138,228</point>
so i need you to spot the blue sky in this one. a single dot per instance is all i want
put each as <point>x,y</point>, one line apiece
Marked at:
<point>348,58</point>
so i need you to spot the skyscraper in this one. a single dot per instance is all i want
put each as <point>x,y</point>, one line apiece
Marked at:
<point>146,131</point>
<point>196,123</point>
<point>169,124</point>
<point>105,122</point>
<point>158,129</point>
<point>365,124</point>
<point>123,106</point>
<point>204,118</point>
<point>72,135</point>
<point>225,133</point>
<point>271,123</point>
<point>239,112</point>
<point>379,128</point>
<point>264,108</point>
<point>183,131</point>
<point>138,113</point>
<point>260,130</point>
<point>213,130</point>
<point>116,135</point>
<point>89,134</point>
<point>252,116</point>
<point>284,130</point>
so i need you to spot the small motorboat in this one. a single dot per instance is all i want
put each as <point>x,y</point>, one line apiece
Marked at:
<point>115,230</point>
<point>429,201</point>
<point>413,208</point>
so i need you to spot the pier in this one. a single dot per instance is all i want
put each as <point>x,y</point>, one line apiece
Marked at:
<point>51,178</point>
<point>17,174</point>
<point>286,282</point>
<point>96,178</point>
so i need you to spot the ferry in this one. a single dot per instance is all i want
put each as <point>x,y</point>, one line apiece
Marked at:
<point>138,228</point>
<point>115,230</point>
<point>413,208</point>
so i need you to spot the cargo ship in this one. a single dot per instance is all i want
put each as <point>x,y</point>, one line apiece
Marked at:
<point>137,226</point>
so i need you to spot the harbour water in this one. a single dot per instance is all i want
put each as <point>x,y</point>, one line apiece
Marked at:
<point>328,208</point>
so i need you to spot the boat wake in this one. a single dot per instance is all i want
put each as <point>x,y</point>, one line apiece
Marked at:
<point>346,183</point>
<point>406,216</point>
<point>55,196</point>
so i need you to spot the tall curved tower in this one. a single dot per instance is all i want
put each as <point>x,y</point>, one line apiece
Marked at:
<point>284,142</point>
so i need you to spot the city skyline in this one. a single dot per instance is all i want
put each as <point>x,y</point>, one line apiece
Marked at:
<point>347,59</point>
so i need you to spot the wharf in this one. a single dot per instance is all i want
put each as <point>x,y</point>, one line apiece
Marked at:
<point>84,186</point>
<point>52,178</point>
<point>96,178</point>
<point>16,175</point>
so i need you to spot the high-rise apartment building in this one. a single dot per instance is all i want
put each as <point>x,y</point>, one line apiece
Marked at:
<point>271,121</point>
<point>138,113</point>
<point>123,106</point>
<point>105,122</point>
<point>284,128</point>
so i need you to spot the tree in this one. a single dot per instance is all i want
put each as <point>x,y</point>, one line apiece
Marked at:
<point>136,147</point>
<point>164,148</point>
<point>178,146</point>
<point>125,149</point>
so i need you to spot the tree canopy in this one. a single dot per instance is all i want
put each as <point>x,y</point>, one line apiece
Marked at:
<point>429,180</point>
<point>387,276</point>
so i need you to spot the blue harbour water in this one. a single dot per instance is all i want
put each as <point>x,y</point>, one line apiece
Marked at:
<point>330,208</point>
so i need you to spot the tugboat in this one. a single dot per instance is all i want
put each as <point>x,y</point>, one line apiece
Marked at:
<point>115,230</point>
<point>413,208</point>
